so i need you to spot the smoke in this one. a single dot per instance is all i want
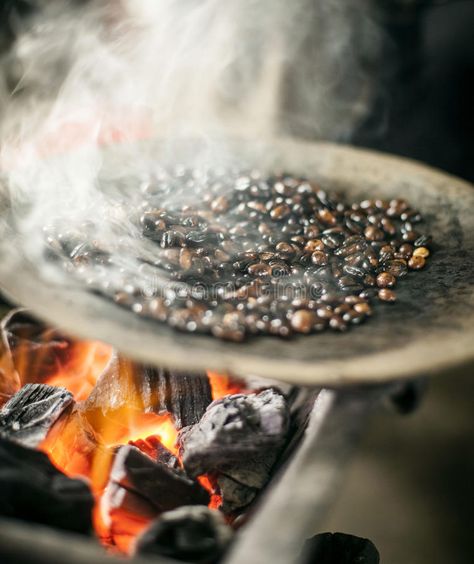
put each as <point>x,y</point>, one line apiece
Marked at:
<point>81,75</point>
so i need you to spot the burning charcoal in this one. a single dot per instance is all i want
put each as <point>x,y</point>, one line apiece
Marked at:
<point>126,515</point>
<point>28,416</point>
<point>239,437</point>
<point>328,548</point>
<point>156,451</point>
<point>164,487</point>
<point>186,396</point>
<point>118,499</point>
<point>189,534</point>
<point>32,489</point>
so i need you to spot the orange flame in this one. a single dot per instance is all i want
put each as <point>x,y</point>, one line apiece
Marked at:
<point>83,442</point>
<point>224,385</point>
<point>87,362</point>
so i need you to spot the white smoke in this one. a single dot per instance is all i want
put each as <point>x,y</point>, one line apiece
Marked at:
<point>84,74</point>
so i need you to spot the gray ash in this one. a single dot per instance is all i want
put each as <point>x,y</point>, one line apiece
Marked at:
<point>249,254</point>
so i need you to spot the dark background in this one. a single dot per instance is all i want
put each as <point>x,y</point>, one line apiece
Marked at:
<point>410,488</point>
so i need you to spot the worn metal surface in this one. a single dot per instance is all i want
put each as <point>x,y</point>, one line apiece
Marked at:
<point>293,509</point>
<point>429,330</point>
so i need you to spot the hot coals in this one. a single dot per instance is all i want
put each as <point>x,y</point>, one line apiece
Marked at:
<point>236,254</point>
<point>129,450</point>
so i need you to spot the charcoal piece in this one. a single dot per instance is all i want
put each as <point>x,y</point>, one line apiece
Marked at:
<point>236,433</point>
<point>189,534</point>
<point>234,494</point>
<point>28,416</point>
<point>119,502</point>
<point>164,487</point>
<point>156,451</point>
<point>32,489</point>
<point>328,548</point>
<point>126,514</point>
<point>186,396</point>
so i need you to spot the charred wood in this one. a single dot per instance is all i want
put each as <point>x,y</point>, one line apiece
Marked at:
<point>186,396</point>
<point>32,489</point>
<point>164,487</point>
<point>190,534</point>
<point>28,416</point>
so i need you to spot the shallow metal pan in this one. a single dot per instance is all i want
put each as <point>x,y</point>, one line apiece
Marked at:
<point>429,330</point>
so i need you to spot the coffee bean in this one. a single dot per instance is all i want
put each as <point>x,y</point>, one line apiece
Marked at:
<point>326,216</point>
<point>387,295</point>
<point>314,245</point>
<point>363,307</point>
<point>337,323</point>
<point>260,269</point>
<point>417,262</point>
<point>220,205</point>
<point>253,254</point>
<point>280,212</point>
<point>405,251</point>
<point>421,252</point>
<point>319,258</point>
<point>302,320</point>
<point>373,233</point>
<point>386,280</point>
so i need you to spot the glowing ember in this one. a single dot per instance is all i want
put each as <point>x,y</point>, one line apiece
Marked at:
<point>83,442</point>
<point>113,408</point>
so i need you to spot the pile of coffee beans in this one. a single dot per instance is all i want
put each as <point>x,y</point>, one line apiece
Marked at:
<point>238,254</point>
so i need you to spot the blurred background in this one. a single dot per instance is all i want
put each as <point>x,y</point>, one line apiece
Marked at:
<point>410,487</point>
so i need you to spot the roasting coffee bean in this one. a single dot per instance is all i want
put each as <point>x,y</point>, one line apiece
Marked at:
<point>417,262</point>
<point>387,295</point>
<point>252,255</point>
<point>386,280</point>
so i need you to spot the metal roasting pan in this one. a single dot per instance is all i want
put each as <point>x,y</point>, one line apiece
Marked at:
<point>429,330</point>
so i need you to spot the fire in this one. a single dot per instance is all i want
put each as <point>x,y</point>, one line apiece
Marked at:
<point>84,445</point>
<point>87,362</point>
<point>109,412</point>
<point>224,385</point>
